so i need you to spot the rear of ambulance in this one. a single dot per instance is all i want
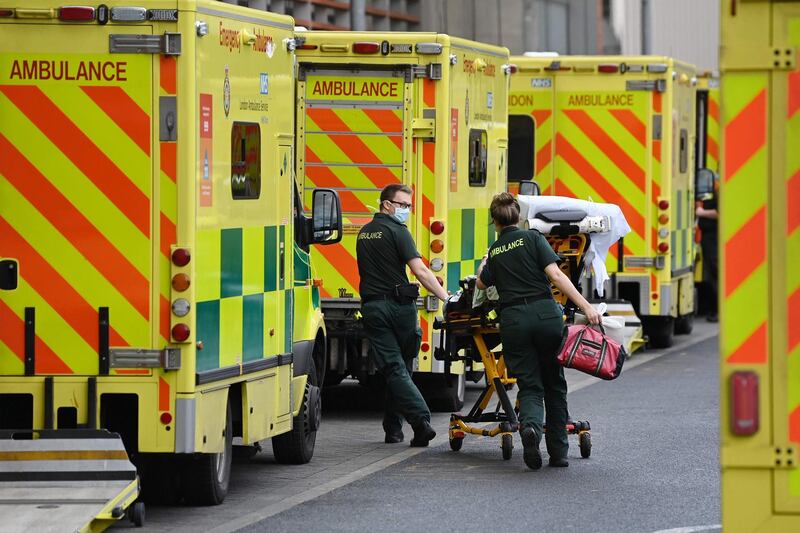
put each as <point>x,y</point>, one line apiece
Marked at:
<point>87,218</point>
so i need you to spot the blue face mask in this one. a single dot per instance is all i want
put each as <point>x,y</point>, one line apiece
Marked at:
<point>401,214</point>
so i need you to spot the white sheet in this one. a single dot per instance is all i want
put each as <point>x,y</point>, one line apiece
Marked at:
<point>530,206</point>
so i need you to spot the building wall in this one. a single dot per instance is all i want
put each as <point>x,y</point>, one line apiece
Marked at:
<point>687,30</point>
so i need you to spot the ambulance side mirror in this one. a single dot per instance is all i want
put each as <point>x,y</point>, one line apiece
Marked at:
<point>704,184</point>
<point>529,188</point>
<point>326,217</point>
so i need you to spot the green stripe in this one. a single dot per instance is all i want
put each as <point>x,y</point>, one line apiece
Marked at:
<point>302,269</point>
<point>467,234</point>
<point>208,334</point>
<point>270,258</point>
<point>453,276</point>
<point>253,327</point>
<point>287,320</point>
<point>231,262</point>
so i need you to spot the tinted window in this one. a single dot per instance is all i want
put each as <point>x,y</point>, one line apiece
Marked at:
<point>521,132</point>
<point>477,158</point>
<point>245,161</point>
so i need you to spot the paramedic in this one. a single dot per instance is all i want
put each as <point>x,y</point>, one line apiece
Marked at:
<point>388,306</point>
<point>521,265</point>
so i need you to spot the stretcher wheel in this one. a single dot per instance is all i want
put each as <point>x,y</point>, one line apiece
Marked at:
<point>136,514</point>
<point>456,443</point>
<point>507,445</point>
<point>585,443</point>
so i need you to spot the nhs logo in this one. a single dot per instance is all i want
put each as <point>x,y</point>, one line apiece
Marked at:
<point>264,83</point>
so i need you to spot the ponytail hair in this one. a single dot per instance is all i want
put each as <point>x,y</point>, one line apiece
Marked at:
<point>505,209</point>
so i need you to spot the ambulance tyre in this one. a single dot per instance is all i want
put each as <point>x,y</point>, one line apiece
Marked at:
<point>206,476</point>
<point>296,447</point>
<point>684,324</point>
<point>445,393</point>
<point>659,330</point>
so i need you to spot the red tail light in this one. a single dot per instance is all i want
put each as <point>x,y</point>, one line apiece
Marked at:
<point>76,13</point>
<point>366,48</point>
<point>425,347</point>
<point>744,403</point>
<point>437,228</point>
<point>663,247</point>
<point>663,204</point>
<point>608,68</point>
<point>181,257</point>
<point>166,418</point>
<point>307,47</point>
<point>5,13</point>
<point>512,68</point>
<point>180,332</point>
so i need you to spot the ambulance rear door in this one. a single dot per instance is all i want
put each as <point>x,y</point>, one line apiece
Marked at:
<point>530,129</point>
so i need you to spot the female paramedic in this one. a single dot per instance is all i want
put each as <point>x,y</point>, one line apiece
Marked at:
<point>521,265</point>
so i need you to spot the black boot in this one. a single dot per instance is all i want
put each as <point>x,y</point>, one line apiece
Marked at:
<point>393,437</point>
<point>423,434</point>
<point>530,442</point>
<point>559,462</point>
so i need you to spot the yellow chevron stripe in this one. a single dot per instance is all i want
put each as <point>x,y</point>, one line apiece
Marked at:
<point>332,280</point>
<point>73,267</point>
<point>743,314</point>
<point>77,188</point>
<point>110,139</point>
<point>10,364</point>
<point>747,192</point>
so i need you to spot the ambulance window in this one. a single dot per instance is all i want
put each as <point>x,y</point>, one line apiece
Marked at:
<point>245,161</point>
<point>684,155</point>
<point>521,131</point>
<point>477,158</point>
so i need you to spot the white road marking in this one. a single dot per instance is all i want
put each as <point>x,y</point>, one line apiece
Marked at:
<point>690,529</point>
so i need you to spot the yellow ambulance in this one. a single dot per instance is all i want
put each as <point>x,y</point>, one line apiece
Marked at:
<point>759,274</point>
<point>424,109</point>
<point>619,130</point>
<point>154,261</point>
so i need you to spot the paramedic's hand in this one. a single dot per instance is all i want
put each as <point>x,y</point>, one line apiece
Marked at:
<point>592,315</point>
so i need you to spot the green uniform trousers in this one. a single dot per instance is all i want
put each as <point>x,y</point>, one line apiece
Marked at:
<point>531,335</point>
<point>394,336</point>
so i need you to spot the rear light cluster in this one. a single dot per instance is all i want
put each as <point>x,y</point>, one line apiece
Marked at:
<point>663,230</point>
<point>437,245</point>
<point>744,403</point>
<point>102,14</point>
<point>181,306</point>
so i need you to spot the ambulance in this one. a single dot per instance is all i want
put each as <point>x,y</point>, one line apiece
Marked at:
<point>154,255</point>
<point>424,109</point>
<point>618,130</point>
<point>759,275</point>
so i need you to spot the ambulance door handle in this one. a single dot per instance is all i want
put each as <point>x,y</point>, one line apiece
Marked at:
<point>9,274</point>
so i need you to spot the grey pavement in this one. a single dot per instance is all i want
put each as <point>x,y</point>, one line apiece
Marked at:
<point>653,465</point>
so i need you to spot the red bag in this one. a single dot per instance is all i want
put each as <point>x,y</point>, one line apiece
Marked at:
<point>586,349</point>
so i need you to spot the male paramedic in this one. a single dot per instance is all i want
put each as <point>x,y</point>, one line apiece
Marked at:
<point>388,307</point>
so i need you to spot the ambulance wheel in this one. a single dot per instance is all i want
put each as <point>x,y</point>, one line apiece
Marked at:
<point>206,476</point>
<point>659,330</point>
<point>296,447</point>
<point>684,324</point>
<point>585,444</point>
<point>507,445</point>
<point>456,443</point>
<point>445,393</point>
<point>136,514</point>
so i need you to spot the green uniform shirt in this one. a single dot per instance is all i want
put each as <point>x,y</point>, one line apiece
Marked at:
<point>383,249</point>
<point>516,265</point>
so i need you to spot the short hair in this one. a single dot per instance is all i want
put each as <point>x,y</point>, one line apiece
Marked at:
<point>505,209</point>
<point>390,191</point>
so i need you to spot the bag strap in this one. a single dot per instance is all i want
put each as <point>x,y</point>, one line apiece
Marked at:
<point>574,349</point>
<point>598,327</point>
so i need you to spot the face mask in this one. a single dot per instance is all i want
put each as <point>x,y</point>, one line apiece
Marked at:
<point>401,214</point>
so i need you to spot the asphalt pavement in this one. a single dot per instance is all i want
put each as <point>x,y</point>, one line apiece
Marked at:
<point>654,466</point>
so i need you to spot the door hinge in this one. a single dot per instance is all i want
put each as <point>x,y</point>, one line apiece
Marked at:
<point>423,128</point>
<point>168,44</point>
<point>432,71</point>
<point>755,58</point>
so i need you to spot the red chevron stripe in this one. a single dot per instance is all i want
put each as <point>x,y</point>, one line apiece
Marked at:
<point>753,350</point>
<point>47,362</point>
<point>608,146</point>
<point>125,113</point>
<point>540,116</point>
<point>429,92</point>
<point>745,134</point>
<point>712,148</point>
<point>169,160</point>
<point>599,183</point>
<point>75,227</point>
<point>632,123</point>
<point>793,96</point>
<point>713,109</point>
<point>169,234</point>
<point>745,251</point>
<point>169,74</point>
<point>657,150</point>
<point>544,155</point>
<point>793,203</point>
<point>386,120</point>
<point>794,425</point>
<point>324,177</point>
<point>344,263</point>
<point>83,153</point>
<point>429,160</point>
<point>53,288</point>
<point>793,318</point>
<point>657,102</point>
